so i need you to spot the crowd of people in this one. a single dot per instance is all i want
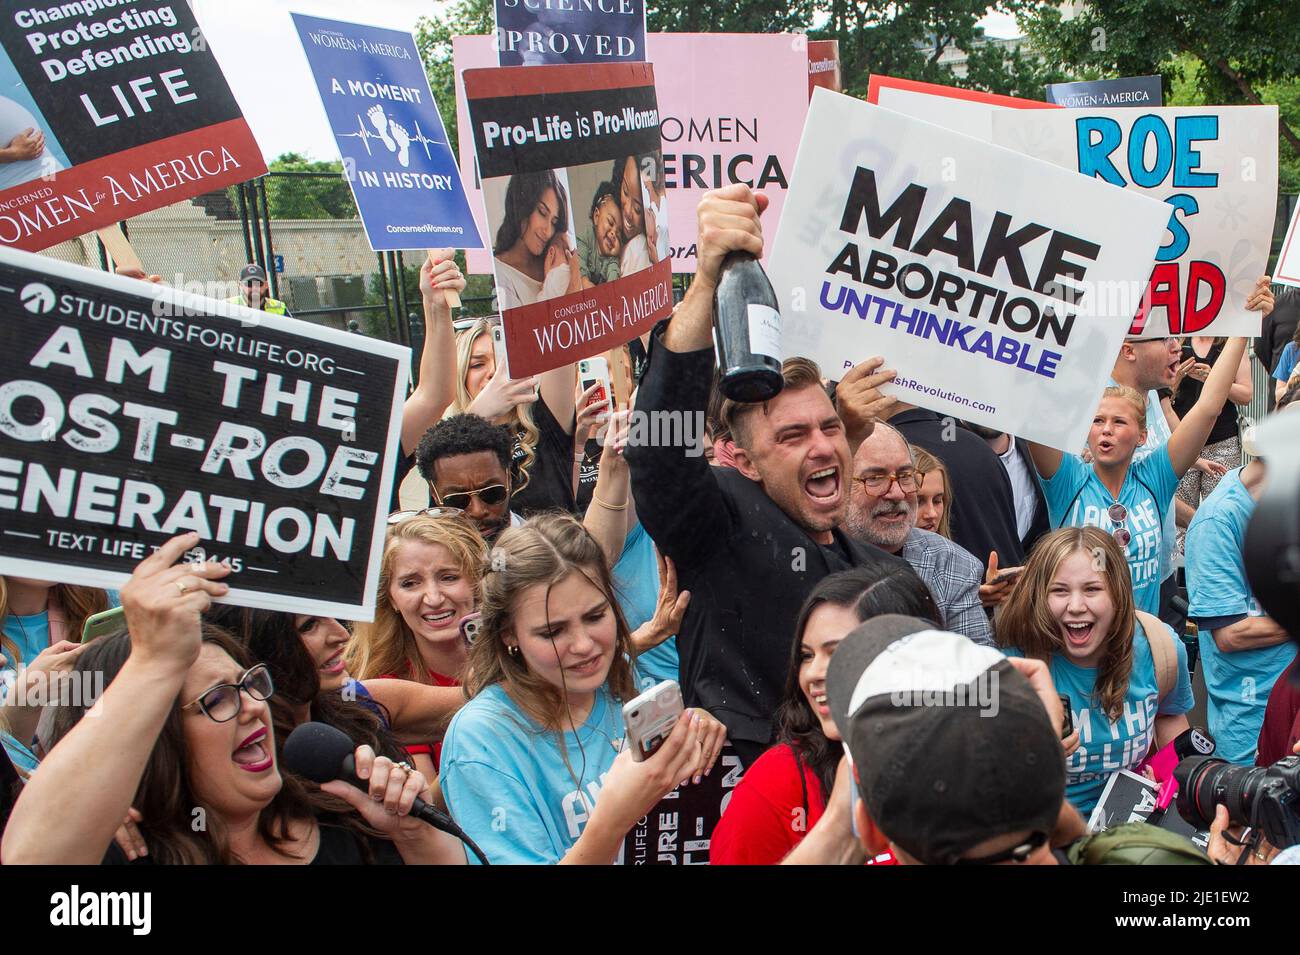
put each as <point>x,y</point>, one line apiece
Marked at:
<point>832,552</point>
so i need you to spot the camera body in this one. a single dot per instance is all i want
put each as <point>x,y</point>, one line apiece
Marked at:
<point>1266,798</point>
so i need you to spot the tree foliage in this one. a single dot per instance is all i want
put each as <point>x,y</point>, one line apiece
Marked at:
<point>308,197</point>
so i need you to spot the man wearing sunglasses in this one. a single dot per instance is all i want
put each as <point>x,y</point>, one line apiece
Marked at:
<point>253,291</point>
<point>466,462</point>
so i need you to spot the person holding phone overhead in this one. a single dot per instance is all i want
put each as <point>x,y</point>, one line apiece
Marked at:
<point>539,744</point>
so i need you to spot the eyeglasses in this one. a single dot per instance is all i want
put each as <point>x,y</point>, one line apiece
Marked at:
<point>397,517</point>
<point>879,483</point>
<point>1020,853</point>
<point>492,495</point>
<point>1118,515</point>
<point>223,703</point>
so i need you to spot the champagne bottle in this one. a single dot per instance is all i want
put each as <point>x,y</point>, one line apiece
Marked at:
<point>747,331</point>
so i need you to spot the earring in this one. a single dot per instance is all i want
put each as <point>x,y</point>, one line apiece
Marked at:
<point>513,650</point>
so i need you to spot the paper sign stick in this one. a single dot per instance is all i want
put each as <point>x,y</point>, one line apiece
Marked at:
<point>119,247</point>
<point>450,294</point>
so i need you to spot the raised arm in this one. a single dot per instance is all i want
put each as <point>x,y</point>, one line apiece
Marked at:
<point>113,746</point>
<point>437,386</point>
<point>1047,461</point>
<point>611,514</point>
<point>1186,442</point>
<point>417,712</point>
<point>677,495</point>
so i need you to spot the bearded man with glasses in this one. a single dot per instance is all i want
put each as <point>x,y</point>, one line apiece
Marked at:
<point>882,512</point>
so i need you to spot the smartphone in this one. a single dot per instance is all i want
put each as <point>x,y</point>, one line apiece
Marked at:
<point>650,717</point>
<point>99,624</point>
<point>595,371</point>
<point>499,348</point>
<point>471,625</point>
<point>1067,725</point>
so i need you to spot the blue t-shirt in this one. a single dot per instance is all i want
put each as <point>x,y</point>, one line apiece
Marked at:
<point>1157,434</point>
<point>1106,747</point>
<point>31,635</point>
<point>1076,498</point>
<point>1286,363</point>
<point>1219,595</point>
<point>507,784</point>
<point>636,583</point>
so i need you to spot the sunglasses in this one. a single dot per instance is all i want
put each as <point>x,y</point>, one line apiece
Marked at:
<point>397,517</point>
<point>223,703</point>
<point>492,495</point>
<point>1020,853</point>
<point>1118,515</point>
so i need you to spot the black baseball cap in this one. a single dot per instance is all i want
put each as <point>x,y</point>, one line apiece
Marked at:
<point>950,744</point>
<point>250,272</point>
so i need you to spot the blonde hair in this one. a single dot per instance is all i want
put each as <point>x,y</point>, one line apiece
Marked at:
<point>1133,397</point>
<point>523,414</point>
<point>387,645</point>
<point>1026,621</point>
<point>544,550</point>
<point>926,463</point>
<point>77,604</point>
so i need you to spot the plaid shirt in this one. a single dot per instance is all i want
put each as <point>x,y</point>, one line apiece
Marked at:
<point>954,578</point>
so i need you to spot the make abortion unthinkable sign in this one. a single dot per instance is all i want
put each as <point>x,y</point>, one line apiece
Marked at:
<point>986,278</point>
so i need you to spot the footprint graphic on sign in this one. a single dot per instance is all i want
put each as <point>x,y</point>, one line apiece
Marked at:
<point>37,298</point>
<point>403,139</point>
<point>380,122</point>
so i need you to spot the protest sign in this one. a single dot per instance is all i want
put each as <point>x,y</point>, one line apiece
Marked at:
<point>1216,166</point>
<point>529,33</point>
<point>573,186</point>
<point>969,112</point>
<point>731,106</point>
<point>679,829</point>
<point>128,111</point>
<point>1129,91</point>
<point>823,65</point>
<point>978,273</point>
<point>1287,270</point>
<point>395,152</point>
<point>130,413</point>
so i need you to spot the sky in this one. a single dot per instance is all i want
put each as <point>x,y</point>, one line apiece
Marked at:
<point>259,52</point>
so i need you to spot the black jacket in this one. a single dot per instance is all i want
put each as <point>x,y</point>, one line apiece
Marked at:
<point>747,565</point>
<point>1042,523</point>
<point>983,515</point>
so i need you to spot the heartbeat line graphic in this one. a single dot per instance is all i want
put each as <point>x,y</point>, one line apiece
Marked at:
<point>395,137</point>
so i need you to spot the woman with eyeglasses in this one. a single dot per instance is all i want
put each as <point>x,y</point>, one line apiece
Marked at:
<point>428,583</point>
<point>534,767</point>
<point>1125,495</point>
<point>1124,671</point>
<point>183,733</point>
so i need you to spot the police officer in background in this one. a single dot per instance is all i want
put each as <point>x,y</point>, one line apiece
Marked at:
<point>253,291</point>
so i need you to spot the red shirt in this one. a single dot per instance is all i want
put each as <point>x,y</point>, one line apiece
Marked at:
<point>768,814</point>
<point>432,750</point>
<point>1281,728</point>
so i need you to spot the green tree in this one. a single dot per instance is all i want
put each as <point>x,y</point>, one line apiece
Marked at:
<point>433,40</point>
<point>1209,51</point>
<point>324,196</point>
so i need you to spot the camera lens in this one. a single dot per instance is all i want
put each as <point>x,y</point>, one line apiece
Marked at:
<point>1206,781</point>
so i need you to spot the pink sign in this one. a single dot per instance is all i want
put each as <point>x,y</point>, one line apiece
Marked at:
<point>731,109</point>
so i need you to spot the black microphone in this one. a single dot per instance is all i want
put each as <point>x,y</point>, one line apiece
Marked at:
<point>321,753</point>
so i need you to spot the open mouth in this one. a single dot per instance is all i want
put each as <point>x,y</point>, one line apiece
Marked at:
<point>334,665</point>
<point>1105,447</point>
<point>440,619</point>
<point>1078,634</point>
<point>586,667</point>
<point>823,486</point>
<point>252,755</point>
<point>820,705</point>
